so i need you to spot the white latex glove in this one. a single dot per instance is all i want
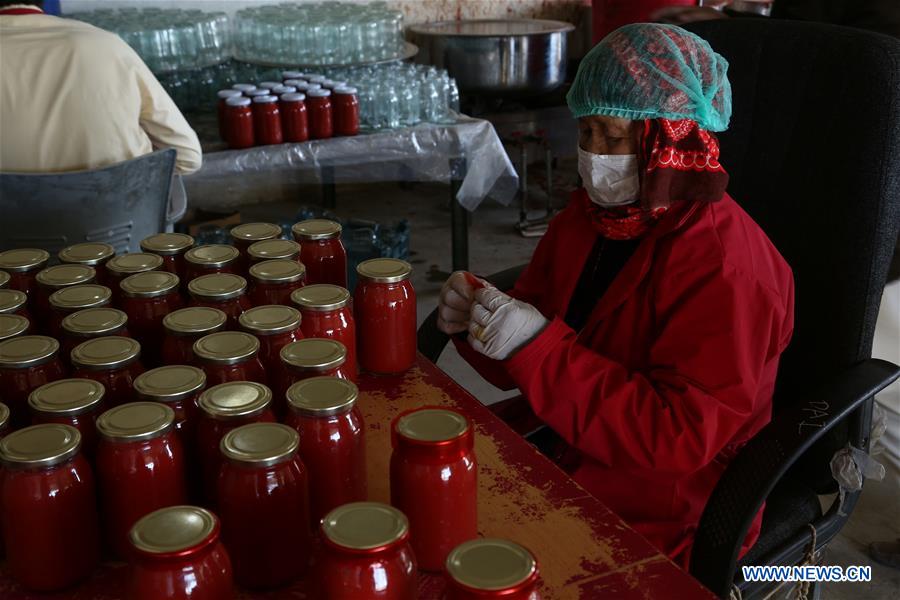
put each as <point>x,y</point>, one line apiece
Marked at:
<point>455,303</point>
<point>502,325</point>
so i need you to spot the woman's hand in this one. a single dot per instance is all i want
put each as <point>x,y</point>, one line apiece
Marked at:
<point>502,325</point>
<point>455,303</point>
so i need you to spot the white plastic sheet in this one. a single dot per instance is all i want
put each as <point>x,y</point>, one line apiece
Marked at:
<point>425,152</point>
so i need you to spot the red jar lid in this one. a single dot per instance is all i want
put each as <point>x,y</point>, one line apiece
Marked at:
<point>12,301</point>
<point>433,427</point>
<point>314,354</point>
<point>136,262</point>
<point>59,276</point>
<point>226,347</point>
<point>172,383</point>
<point>260,444</point>
<point>278,271</point>
<point>88,253</point>
<point>151,284</point>
<point>136,421</point>
<point>40,446</point>
<point>27,351</point>
<point>166,244</point>
<point>213,256</point>
<point>365,527</point>
<point>322,396</point>
<point>271,319</point>
<point>492,565</point>
<point>104,353</point>
<point>384,270</point>
<point>316,229</point>
<point>235,399</point>
<point>12,326</point>
<point>174,532</point>
<point>22,260</point>
<point>94,322</point>
<point>321,297</point>
<point>246,232</point>
<point>78,297</point>
<point>272,249</point>
<point>67,397</point>
<point>195,320</point>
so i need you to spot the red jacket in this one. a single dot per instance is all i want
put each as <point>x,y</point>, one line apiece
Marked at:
<point>674,369</point>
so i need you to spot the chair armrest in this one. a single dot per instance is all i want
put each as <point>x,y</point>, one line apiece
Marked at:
<point>754,471</point>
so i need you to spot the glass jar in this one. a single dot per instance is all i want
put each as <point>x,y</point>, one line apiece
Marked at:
<point>215,258</point>
<point>385,306</point>
<point>113,361</point>
<point>294,121</point>
<point>179,388</point>
<point>75,402</point>
<point>326,314</point>
<point>176,554</point>
<point>56,278</point>
<point>266,121</point>
<point>319,113</point>
<point>48,489</point>
<point>238,123</point>
<point>434,481</point>
<point>274,326</point>
<point>13,325</point>
<point>366,554</point>
<point>275,280</point>
<point>312,357</point>
<point>140,467</point>
<point>223,291</point>
<point>263,501</point>
<point>147,298</point>
<point>91,254</point>
<point>225,407</point>
<point>171,247</point>
<point>26,363</point>
<point>332,443</point>
<point>322,251</point>
<point>23,264</point>
<point>224,95</point>
<point>346,111</point>
<point>14,302</point>
<point>246,234</point>
<point>91,323</point>
<point>72,299</point>
<point>491,568</point>
<point>274,249</point>
<point>186,326</point>
<point>229,356</point>
<point>124,265</point>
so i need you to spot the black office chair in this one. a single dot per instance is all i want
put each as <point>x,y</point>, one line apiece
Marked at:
<point>814,156</point>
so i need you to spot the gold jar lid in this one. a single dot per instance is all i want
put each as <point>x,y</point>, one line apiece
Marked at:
<point>12,325</point>
<point>136,421</point>
<point>22,260</point>
<point>217,286</point>
<point>384,270</point>
<point>226,347</point>
<point>260,444</point>
<point>254,232</point>
<point>171,383</point>
<point>108,352</point>
<point>40,445</point>
<point>67,396</point>
<point>149,284</point>
<point>318,354</point>
<point>87,253</point>
<point>94,322</point>
<point>365,526</point>
<point>235,399</point>
<point>174,529</point>
<point>12,301</point>
<point>432,425</point>
<point>135,262</point>
<point>272,249</point>
<point>322,396</point>
<point>195,320</point>
<point>316,229</point>
<point>270,319</point>
<point>59,276</point>
<point>213,256</point>
<point>491,565</point>
<point>278,270</point>
<point>166,244</point>
<point>27,351</point>
<point>4,280</point>
<point>78,297</point>
<point>321,297</point>
<point>4,415</point>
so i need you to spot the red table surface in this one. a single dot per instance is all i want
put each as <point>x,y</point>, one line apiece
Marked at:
<point>583,549</point>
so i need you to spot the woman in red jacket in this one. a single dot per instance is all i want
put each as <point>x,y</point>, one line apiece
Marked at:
<point>647,329</point>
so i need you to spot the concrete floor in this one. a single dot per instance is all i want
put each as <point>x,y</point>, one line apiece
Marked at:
<point>494,246</point>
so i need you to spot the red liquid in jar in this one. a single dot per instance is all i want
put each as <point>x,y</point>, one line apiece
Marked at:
<point>23,265</point>
<point>147,298</point>
<point>238,123</point>
<point>171,247</point>
<point>337,325</point>
<point>386,321</point>
<point>222,96</point>
<point>26,363</point>
<point>74,402</point>
<point>294,121</point>
<point>346,111</point>
<point>266,121</point>
<point>325,261</point>
<point>319,111</point>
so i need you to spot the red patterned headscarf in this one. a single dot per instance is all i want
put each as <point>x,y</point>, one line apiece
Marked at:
<point>677,161</point>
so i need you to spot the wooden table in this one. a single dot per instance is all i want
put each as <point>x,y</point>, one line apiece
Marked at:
<point>583,549</point>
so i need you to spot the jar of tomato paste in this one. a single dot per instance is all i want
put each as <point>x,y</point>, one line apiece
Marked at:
<point>215,258</point>
<point>179,388</point>
<point>72,299</point>
<point>26,363</point>
<point>385,306</point>
<point>125,265</point>
<point>275,326</point>
<point>222,96</point>
<point>275,280</point>
<point>13,325</point>
<point>326,314</point>
<point>230,356</point>
<point>184,327</point>
<point>266,121</point>
<point>91,323</point>
<point>238,123</point>
<point>91,254</point>
<point>313,357</point>
<point>147,298</point>
<point>346,111</point>
<point>319,111</point>
<point>322,251</point>
<point>14,302</point>
<point>273,249</point>
<point>23,264</point>
<point>113,361</point>
<point>75,402</point>
<point>171,247</point>
<point>56,278</point>
<point>223,291</point>
<point>491,568</point>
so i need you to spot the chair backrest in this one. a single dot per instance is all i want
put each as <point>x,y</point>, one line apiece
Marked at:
<point>120,204</point>
<point>813,151</point>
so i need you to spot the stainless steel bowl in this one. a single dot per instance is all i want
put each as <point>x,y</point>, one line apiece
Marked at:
<point>497,56</point>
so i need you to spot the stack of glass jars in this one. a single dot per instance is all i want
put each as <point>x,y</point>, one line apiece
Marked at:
<point>321,33</point>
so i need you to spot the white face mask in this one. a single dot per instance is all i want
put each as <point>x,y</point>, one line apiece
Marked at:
<point>609,179</point>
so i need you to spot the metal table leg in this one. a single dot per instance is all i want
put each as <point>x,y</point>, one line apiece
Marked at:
<point>459,217</point>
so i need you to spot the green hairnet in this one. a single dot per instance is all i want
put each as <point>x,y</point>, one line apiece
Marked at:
<point>649,71</point>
